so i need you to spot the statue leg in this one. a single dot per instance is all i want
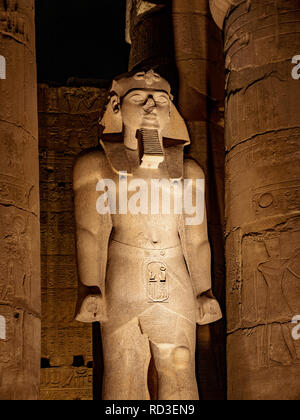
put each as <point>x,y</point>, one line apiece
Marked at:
<point>175,368</point>
<point>126,361</point>
<point>173,343</point>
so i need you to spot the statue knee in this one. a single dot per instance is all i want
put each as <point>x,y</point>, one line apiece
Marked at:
<point>171,357</point>
<point>181,358</point>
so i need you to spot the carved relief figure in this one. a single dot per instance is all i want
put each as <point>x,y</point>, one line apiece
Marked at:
<point>145,277</point>
<point>277,336</point>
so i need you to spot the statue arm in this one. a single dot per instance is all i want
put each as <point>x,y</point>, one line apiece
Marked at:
<point>92,239</point>
<point>197,253</point>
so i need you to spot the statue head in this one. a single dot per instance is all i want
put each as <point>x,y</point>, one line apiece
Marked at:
<point>143,100</point>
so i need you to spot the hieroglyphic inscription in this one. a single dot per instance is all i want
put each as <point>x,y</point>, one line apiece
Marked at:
<point>12,191</point>
<point>66,384</point>
<point>70,378</point>
<point>13,23</point>
<point>13,147</point>
<point>62,341</point>
<point>59,272</point>
<point>68,120</point>
<point>18,252</point>
<point>157,284</point>
<point>6,293</point>
<point>68,100</point>
<point>277,199</point>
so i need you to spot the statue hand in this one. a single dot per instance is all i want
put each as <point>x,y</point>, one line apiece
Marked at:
<point>209,309</point>
<point>92,309</point>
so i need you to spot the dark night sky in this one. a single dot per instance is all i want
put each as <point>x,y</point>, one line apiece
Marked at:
<point>80,38</point>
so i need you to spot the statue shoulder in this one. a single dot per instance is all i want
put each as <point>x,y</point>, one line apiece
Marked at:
<point>88,167</point>
<point>192,169</point>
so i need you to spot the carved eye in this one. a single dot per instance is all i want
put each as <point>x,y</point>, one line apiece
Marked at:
<point>137,98</point>
<point>161,99</point>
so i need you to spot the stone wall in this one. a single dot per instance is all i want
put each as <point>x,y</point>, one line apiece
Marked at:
<point>68,124</point>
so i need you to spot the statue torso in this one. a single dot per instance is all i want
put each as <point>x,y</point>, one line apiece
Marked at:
<point>140,247</point>
<point>152,231</point>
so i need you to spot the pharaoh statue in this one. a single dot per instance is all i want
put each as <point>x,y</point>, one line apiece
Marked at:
<point>145,274</point>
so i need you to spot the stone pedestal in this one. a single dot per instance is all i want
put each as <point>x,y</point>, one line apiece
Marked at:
<point>19,205</point>
<point>262,196</point>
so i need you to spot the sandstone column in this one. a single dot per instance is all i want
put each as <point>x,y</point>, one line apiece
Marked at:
<point>19,205</point>
<point>262,125</point>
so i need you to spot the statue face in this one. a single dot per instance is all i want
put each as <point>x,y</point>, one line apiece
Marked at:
<point>148,109</point>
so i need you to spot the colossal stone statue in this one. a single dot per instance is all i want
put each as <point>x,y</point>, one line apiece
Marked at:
<point>144,274</point>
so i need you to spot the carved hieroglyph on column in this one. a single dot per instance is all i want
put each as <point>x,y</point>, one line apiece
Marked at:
<point>262,125</point>
<point>19,205</point>
<point>146,275</point>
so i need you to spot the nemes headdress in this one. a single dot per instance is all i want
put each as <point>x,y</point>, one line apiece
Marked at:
<point>141,80</point>
<point>121,86</point>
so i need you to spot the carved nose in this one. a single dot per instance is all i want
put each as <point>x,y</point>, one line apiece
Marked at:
<point>150,105</point>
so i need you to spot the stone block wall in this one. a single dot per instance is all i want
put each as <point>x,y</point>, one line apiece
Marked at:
<point>68,124</point>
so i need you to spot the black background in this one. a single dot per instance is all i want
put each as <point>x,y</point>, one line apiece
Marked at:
<point>80,38</point>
